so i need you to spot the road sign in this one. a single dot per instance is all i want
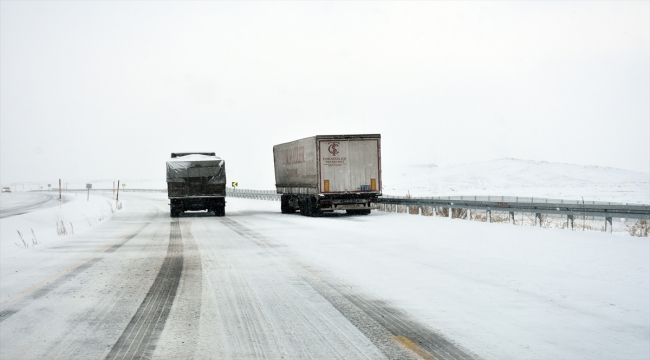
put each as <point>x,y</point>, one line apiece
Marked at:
<point>235,184</point>
<point>89,186</point>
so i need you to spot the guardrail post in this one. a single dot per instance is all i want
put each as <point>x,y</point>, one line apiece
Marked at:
<point>469,214</point>
<point>489,216</point>
<point>511,215</point>
<point>451,213</point>
<point>569,222</point>
<point>538,219</point>
<point>608,225</point>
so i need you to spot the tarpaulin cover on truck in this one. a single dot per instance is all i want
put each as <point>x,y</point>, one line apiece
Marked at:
<point>195,165</point>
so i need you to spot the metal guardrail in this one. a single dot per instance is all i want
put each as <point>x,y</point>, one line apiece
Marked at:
<point>508,199</point>
<point>488,203</point>
<point>571,208</point>
<point>253,194</point>
<point>496,203</point>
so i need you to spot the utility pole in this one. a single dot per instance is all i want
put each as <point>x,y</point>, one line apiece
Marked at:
<point>117,196</point>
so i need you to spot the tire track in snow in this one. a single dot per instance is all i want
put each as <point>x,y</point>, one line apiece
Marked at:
<point>94,320</point>
<point>141,334</point>
<point>404,331</point>
<point>42,291</point>
<point>391,330</point>
<point>294,321</point>
<point>181,332</point>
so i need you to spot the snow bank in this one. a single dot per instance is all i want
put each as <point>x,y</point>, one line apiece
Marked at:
<point>41,226</point>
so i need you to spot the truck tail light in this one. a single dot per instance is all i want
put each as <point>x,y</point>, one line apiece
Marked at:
<point>326,185</point>
<point>373,184</point>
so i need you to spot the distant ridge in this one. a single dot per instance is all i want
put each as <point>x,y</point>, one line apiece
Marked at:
<point>517,177</point>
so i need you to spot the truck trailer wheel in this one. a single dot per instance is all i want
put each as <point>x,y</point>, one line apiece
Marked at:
<point>285,206</point>
<point>309,207</point>
<point>302,207</point>
<point>313,209</point>
<point>305,206</point>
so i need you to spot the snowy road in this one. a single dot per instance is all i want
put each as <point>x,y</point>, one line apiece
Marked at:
<point>260,284</point>
<point>20,203</point>
<point>145,285</point>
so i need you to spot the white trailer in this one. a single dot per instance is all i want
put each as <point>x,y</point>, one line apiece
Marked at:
<point>329,172</point>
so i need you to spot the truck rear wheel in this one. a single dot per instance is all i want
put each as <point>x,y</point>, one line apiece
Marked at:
<point>285,206</point>
<point>313,208</point>
<point>303,207</point>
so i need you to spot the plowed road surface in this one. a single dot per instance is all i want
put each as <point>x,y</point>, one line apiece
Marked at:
<point>147,286</point>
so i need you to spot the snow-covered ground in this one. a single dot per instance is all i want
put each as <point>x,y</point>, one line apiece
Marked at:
<point>44,225</point>
<point>496,290</point>
<point>501,291</point>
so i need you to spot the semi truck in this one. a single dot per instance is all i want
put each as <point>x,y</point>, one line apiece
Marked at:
<point>196,181</point>
<point>324,173</point>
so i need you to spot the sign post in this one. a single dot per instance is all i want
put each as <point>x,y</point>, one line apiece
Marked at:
<point>88,186</point>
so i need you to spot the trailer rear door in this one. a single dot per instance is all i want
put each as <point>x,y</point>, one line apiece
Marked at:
<point>349,165</point>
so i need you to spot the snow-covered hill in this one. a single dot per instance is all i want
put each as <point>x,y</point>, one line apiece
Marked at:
<point>513,177</point>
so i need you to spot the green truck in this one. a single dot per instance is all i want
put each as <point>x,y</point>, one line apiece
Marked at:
<point>196,181</point>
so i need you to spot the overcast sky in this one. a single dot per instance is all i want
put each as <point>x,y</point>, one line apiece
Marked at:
<point>107,90</point>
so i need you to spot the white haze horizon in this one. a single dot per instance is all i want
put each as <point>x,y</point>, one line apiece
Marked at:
<point>107,90</point>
